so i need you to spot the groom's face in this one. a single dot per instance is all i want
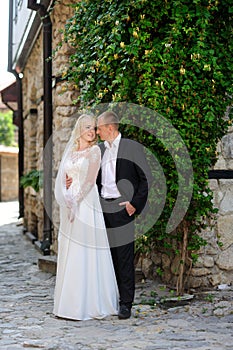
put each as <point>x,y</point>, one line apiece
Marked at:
<point>103,130</point>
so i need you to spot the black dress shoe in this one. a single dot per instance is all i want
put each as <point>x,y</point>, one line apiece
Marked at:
<point>124,313</point>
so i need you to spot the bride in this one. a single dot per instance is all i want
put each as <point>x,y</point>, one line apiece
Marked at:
<point>86,285</point>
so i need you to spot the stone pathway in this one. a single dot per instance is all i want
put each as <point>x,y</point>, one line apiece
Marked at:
<point>27,322</point>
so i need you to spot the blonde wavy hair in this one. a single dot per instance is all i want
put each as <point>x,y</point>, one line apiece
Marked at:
<point>82,121</point>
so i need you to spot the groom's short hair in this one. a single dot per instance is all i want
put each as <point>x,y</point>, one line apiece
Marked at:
<point>109,117</point>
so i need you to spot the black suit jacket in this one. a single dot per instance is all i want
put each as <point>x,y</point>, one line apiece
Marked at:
<point>133,175</point>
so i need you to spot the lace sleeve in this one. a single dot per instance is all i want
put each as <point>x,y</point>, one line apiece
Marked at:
<point>93,158</point>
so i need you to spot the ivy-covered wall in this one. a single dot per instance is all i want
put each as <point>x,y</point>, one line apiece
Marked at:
<point>174,58</point>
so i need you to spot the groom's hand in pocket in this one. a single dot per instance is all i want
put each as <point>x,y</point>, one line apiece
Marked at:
<point>129,207</point>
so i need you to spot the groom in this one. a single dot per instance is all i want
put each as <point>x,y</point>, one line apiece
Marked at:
<point>123,186</point>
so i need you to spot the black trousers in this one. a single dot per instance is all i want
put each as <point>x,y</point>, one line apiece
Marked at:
<point>120,230</point>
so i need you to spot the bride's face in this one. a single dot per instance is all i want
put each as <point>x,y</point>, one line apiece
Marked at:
<point>88,132</point>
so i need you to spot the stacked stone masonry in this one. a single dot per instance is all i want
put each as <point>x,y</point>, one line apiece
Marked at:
<point>215,265</point>
<point>33,117</point>
<point>215,262</point>
<point>8,173</point>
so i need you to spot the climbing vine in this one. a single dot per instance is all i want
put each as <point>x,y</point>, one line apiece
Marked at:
<point>175,58</point>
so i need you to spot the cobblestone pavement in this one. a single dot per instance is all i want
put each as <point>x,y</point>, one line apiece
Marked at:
<point>27,322</point>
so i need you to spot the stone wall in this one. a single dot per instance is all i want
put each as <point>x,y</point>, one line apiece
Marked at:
<point>215,265</point>
<point>33,117</point>
<point>32,83</point>
<point>8,173</point>
<point>215,262</point>
<point>63,97</point>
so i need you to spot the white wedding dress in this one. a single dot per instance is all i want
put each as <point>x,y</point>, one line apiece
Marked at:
<point>86,285</point>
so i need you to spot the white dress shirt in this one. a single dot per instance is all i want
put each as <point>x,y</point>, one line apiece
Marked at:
<point>108,165</point>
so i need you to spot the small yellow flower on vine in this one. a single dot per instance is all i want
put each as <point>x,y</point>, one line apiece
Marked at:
<point>207,67</point>
<point>64,74</point>
<point>114,96</point>
<point>122,44</point>
<point>182,70</point>
<point>64,88</point>
<point>142,16</point>
<point>116,56</point>
<point>101,23</point>
<point>135,34</point>
<point>100,95</point>
<point>116,23</point>
<point>105,90</point>
<point>157,83</point>
<point>195,56</point>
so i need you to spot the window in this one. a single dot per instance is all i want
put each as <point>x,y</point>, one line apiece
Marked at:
<point>20,2</point>
<point>16,7</point>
